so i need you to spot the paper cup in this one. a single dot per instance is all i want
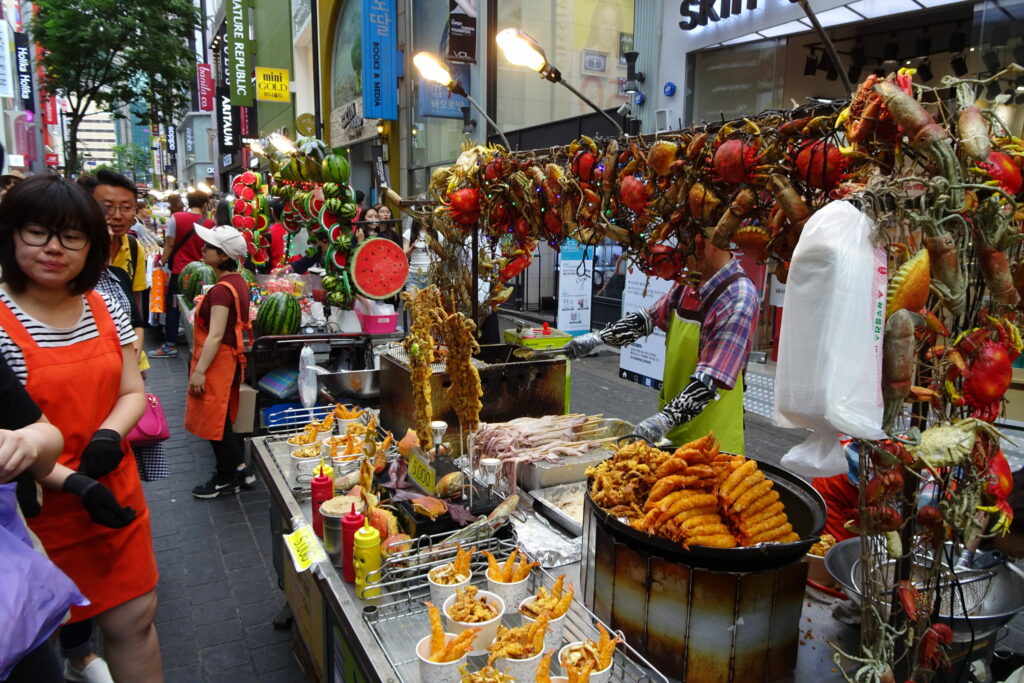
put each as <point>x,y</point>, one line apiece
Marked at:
<point>519,669</point>
<point>511,593</point>
<point>488,629</point>
<point>439,592</point>
<point>436,672</point>
<point>595,676</point>
<point>553,636</point>
<point>559,679</point>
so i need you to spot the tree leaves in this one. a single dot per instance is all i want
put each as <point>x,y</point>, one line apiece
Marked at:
<point>108,53</point>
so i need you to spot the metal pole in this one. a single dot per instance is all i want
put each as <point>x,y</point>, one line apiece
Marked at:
<point>476,280</point>
<point>829,47</point>
<point>593,106</point>
<point>314,27</point>
<point>490,121</point>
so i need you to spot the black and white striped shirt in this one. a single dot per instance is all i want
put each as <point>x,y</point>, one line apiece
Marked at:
<point>53,337</point>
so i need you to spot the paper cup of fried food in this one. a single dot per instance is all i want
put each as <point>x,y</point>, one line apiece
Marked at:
<point>444,579</point>
<point>517,651</point>
<point>488,674</point>
<point>510,579</point>
<point>470,607</point>
<point>553,608</point>
<point>586,655</point>
<point>816,561</point>
<point>441,654</point>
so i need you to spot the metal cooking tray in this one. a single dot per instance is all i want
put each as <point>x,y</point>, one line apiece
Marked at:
<point>540,475</point>
<point>543,503</point>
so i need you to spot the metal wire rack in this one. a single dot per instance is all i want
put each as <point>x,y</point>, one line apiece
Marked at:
<point>398,618</point>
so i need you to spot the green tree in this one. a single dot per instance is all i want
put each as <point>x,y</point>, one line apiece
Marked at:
<point>134,159</point>
<point>106,53</point>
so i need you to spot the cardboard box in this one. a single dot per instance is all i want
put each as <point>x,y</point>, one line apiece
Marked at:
<point>245,421</point>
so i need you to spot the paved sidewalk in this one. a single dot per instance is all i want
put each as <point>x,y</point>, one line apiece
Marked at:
<point>218,592</point>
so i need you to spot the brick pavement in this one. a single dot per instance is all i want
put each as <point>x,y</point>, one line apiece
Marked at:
<point>218,592</point>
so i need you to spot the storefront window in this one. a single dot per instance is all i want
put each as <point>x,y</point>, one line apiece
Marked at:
<point>347,61</point>
<point>584,39</point>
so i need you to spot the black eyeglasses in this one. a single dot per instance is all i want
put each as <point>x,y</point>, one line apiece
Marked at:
<point>35,236</point>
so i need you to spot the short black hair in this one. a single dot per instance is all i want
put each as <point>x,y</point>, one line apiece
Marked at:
<point>222,214</point>
<point>55,204</point>
<point>107,177</point>
<point>197,199</point>
<point>360,196</point>
<point>276,207</point>
<point>87,181</point>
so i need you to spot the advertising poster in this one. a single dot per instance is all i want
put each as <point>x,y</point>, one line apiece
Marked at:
<point>380,60</point>
<point>643,361</point>
<point>575,285</point>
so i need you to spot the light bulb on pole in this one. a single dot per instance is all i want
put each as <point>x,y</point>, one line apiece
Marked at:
<point>431,68</point>
<point>282,144</point>
<point>521,49</point>
<point>204,188</point>
<point>256,147</point>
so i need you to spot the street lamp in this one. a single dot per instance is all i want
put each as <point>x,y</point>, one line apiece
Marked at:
<point>522,50</point>
<point>433,70</point>
<point>282,144</point>
<point>257,148</point>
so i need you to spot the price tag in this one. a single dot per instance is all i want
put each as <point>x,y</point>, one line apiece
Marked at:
<point>421,471</point>
<point>304,547</point>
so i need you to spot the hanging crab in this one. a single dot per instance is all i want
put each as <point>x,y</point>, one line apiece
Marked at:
<point>983,358</point>
<point>584,159</point>
<point>1001,171</point>
<point>998,486</point>
<point>661,158</point>
<point>820,164</point>
<point>739,156</point>
<point>662,260</point>
<point>947,445</point>
<point>464,205</point>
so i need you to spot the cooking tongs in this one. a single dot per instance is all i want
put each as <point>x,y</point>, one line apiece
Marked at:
<point>524,353</point>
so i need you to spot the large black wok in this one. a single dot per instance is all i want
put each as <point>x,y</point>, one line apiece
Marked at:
<point>804,507</point>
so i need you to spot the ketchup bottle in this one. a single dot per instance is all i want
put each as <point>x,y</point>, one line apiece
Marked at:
<point>546,328</point>
<point>350,524</point>
<point>322,489</point>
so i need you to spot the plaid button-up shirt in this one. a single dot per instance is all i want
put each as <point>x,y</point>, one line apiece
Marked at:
<point>726,335</point>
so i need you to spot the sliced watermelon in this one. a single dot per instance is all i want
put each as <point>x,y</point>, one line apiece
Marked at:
<point>327,219</point>
<point>379,268</point>
<point>336,232</point>
<point>262,222</point>
<point>313,205</point>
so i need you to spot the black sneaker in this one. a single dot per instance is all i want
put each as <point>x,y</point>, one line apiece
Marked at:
<point>215,488</point>
<point>245,477</point>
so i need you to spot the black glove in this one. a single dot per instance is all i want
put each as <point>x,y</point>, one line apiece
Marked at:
<point>98,501</point>
<point>27,494</point>
<point>102,454</point>
<point>690,402</point>
<point>627,330</point>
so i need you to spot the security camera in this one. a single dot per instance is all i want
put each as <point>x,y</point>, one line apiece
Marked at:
<point>623,110</point>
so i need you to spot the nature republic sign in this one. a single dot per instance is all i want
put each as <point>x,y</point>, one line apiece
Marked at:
<point>239,71</point>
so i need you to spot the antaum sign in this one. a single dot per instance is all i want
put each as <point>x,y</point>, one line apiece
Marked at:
<point>272,85</point>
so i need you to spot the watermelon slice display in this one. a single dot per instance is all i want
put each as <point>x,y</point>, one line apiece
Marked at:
<point>379,268</point>
<point>313,205</point>
<point>327,219</point>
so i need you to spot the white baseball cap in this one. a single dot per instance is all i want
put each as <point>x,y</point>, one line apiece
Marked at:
<point>225,238</point>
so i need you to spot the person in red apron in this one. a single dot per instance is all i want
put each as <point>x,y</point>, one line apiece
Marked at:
<point>709,335</point>
<point>74,356</point>
<point>218,361</point>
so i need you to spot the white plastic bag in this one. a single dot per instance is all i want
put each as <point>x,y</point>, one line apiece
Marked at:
<point>307,377</point>
<point>828,377</point>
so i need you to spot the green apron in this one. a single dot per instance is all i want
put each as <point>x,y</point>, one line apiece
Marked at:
<point>723,416</point>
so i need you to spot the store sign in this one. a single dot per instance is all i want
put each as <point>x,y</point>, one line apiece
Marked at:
<point>575,287</point>
<point>699,12</point>
<point>190,142</point>
<point>381,61</point>
<point>380,168</point>
<point>643,361</point>
<point>52,159</point>
<point>23,64</point>
<point>204,79</point>
<point>348,127</point>
<point>227,124</point>
<point>237,51</point>
<point>435,100</point>
<point>172,140</point>
<point>6,76</point>
<point>461,31</point>
<point>272,85</point>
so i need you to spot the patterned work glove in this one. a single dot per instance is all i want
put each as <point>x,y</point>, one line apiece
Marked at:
<point>627,330</point>
<point>690,402</point>
<point>102,454</point>
<point>99,501</point>
<point>582,345</point>
<point>655,427</point>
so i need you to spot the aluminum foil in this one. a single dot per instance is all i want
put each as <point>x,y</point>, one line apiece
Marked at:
<point>544,543</point>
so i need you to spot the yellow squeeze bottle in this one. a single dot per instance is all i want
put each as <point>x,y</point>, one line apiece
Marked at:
<point>366,557</point>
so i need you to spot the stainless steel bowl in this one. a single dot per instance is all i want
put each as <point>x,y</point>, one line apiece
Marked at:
<point>1004,599</point>
<point>364,384</point>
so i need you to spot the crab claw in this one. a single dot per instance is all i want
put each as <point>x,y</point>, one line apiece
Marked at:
<point>1004,516</point>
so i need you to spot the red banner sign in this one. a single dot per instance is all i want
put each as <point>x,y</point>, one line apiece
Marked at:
<point>205,75</point>
<point>53,160</point>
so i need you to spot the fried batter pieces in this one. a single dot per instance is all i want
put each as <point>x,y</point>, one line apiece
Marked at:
<point>459,338</point>
<point>695,496</point>
<point>425,309</point>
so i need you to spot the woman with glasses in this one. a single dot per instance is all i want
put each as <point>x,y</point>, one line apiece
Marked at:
<point>72,351</point>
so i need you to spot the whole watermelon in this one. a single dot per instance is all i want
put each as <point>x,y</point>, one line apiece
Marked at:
<point>250,278</point>
<point>279,314</point>
<point>191,281</point>
<point>335,167</point>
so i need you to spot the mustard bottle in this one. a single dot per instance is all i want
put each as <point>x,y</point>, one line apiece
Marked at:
<point>366,556</point>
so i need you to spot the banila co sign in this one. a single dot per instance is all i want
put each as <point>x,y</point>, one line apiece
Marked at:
<point>699,12</point>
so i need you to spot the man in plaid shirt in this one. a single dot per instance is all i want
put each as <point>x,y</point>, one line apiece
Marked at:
<point>709,336</point>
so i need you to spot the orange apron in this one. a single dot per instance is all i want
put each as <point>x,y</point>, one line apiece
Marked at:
<point>76,387</point>
<point>204,415</point>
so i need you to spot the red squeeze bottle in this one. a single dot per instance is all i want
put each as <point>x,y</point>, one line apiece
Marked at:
<point>322,489</point>
<point>547,329</point>
<point>350,524</point>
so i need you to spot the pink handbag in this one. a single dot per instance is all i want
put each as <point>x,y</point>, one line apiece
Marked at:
<point>152,426</point>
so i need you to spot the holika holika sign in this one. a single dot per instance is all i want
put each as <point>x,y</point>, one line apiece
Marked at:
<point>238,53</point>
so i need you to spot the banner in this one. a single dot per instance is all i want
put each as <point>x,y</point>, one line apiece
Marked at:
<point>380,168</point>
<point>643,361</point>
<point>381,64</point>
<point>461,31</point>
<point>172,139</point>
<point>6,74</point>
<point>575,287</point>
<point>237,51</point>
<point>272,85</point>
<point>23,64</point>
<point>204,78</point>
<point>435,100</point>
